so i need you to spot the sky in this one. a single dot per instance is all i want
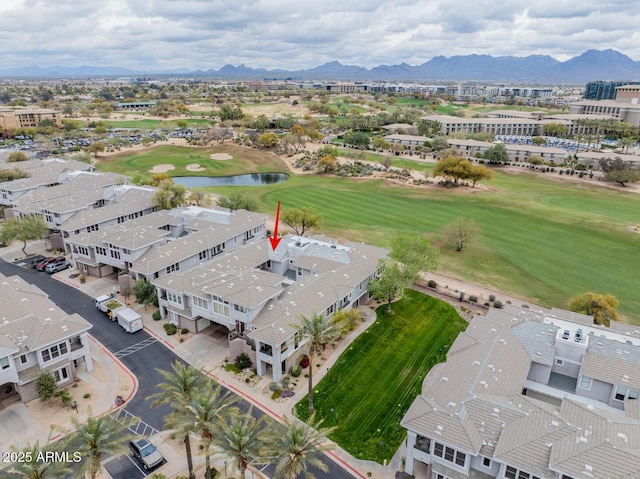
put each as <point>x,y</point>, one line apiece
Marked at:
<point>155,35</point>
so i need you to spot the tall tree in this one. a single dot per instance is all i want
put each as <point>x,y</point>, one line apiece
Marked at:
<point>299,448</point>
<point>603,307</point>
<point>169,196</point>
<point>23,228</point>
<point>496,154</point>
<point>461,232</point>
<point>479,173</point>
<point>415,252</point>
<point>180,387</point>
<point>316,330</point>
<point>203,416</point>
<point>242,438</point>
<point>200,197</point>
<point>97,438</point>
<point>394,278</point>
<point>301,219</point>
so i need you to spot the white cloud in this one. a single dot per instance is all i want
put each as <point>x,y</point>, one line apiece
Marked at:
<point>164,34</point>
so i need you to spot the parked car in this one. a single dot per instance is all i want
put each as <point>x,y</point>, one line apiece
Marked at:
<point>56,266</point>
<point>37,259</point>
<point>43,264</point>
<point>146,453</point>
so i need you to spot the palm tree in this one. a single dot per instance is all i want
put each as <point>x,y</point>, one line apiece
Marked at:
<point>98,437</point>
<point>35,468</point>
<point>181,385</point>
<point>203,415</point>
<point>242,438</point>
<point>317,330</point>
<point>299,447</point>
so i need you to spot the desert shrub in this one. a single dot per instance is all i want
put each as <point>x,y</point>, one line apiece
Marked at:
<point>492,297</point>
<point>184,331</point>
<point>296,371</point>
<point>87,396</point>
<point>497,304</point>
<point>287,394</point>
<point>156,315</point>
<point>243,361</point>
<point>304,361</point>
<point>432,284</point>
<point>276,394</point>
<point>473,299</point>
<point>171,329</point>
<point>274,386</point>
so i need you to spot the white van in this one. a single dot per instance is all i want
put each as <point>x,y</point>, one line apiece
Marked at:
<point>129,319</point>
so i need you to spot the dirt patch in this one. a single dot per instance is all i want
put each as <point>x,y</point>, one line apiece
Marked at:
<point>634,228</point>
<point>162,168</point>
<point>221,156</point>
<point>195,167</point>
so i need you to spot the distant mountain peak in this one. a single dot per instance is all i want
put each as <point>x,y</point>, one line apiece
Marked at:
<point>590,65</point>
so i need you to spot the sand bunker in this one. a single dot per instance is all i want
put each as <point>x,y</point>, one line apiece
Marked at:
<point>195,167</point>
<point>162,168</point>
<point>221,156</point>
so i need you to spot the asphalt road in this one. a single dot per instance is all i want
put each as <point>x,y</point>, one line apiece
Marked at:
<point>142,361</point>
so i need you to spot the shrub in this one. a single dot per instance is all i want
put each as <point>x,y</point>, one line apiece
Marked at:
<point>184,331</point>
<point>287,394</point>
<point>473,299</point>
<point>432,284</point>
<point>296,371</point>
<point>232,368</point>
<point>304,361</point>
<point>45,386</point>
<point>87,396</point>
<point>155,301</point>
<point>243,361</point>
<point>276,394</point>
<point>274,386</point>
<point>497,304</point>
<point>492,297</point>
<point>171,329</point>
<point>525,306</point>
<point>156,315</point>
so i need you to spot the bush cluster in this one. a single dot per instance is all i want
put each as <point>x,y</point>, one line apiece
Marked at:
<point>171,329</point>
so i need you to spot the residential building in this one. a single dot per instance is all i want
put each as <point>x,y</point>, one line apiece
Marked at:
<point>624,107</point>
<point>530,394</point>
<point>36,336</point>
<point>495,126</point>
<point>255,294</point>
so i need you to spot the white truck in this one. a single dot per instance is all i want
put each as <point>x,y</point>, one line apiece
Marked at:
<point>108,304</point>
<point>128,319</point>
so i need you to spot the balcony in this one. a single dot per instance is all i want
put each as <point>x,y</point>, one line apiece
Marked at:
<point>266,349</point>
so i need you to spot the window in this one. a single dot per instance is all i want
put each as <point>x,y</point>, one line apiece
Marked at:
<point>54,352</point>
<point>115,254</point>
<point>620,394</point>
<point>174,267</point>
<point>239,308</point>
<point>23,359</point>
<point>174,298</point>
<point>486,462</point>
<point>585,382</point>
<point>449,454</point>
<point>510,472</point>
<point>559,362</point>
<point>4,363</point>
<point>61,374</point>
<point>83,250</point>
<point>201,303</point>
<point>202,255</point>
<point>93,228</point>
<point>101,250</point>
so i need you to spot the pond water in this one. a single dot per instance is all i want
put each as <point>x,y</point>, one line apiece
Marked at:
<point>253,179</point>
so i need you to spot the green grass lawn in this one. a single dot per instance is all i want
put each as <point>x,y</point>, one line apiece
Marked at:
<point>376,379</point>
<point>180,156</point>
<point>543,240</point>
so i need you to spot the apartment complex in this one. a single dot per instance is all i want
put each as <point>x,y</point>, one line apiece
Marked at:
<point>604,90</point>
<point>36,336</point>
<point>13,119</point>
<point>625,107</point>
<point>256,295</point>
<point>530,394</point>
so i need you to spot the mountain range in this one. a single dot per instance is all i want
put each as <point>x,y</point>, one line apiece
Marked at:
<point>590,66</point>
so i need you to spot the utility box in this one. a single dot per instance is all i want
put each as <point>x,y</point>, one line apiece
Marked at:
<point>128,319</point>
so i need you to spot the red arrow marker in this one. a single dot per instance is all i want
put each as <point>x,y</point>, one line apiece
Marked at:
<point>274,239</point>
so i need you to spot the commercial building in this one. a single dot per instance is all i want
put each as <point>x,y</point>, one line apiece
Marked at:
<point>604,90</point>
<point>13,119</point>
